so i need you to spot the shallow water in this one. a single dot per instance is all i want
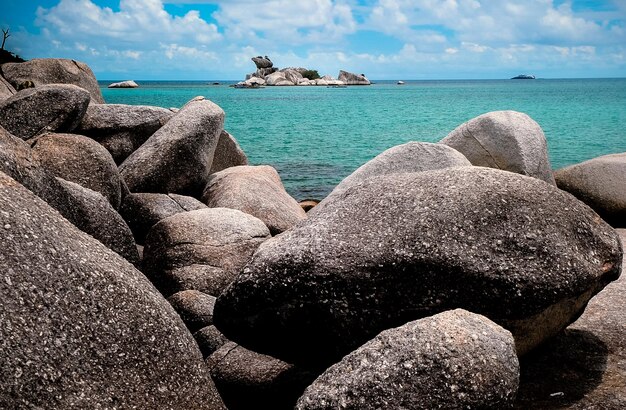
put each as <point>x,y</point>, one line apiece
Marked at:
<point>316,136</point>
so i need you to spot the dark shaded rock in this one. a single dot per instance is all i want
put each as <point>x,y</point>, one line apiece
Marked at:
<point>95,215</point>
<point>453,360</point>
<point>55,108</point>
<point>600,183</point>
<point>209,339</point>
<point>249,380</point>
<point>41,71</point>
<point>507,140</point>
<point>227,154</point>
<point>409,157</point>
<point>262,62</point>
<point>585,366</point>
<point>515,249</point>
<point>308,204</point>
<point>143,210</point>
<point>81,327</point>
<point>203,250</point>
<point>353,79</point>
<point>124,84</point>
<point>122,128</point>
<point>177,158</point>
<point>194,308</point>
<point>255,190</point>
<point>81,160</point>
<point>6,89</point>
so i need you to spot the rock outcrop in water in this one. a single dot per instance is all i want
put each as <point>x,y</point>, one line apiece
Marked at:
<point>413,234</point>
<point>267,74</point>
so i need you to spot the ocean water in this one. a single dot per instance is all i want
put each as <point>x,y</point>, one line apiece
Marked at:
<point>316,136</point>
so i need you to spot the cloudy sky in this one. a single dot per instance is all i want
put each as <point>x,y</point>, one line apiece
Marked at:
<point>385,39</point>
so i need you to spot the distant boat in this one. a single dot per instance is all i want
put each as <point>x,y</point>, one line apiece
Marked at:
<point>400,82</point>
<point>523,77</point>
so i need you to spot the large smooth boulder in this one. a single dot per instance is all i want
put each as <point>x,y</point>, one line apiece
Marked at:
<point>41,71</point>
<point>48,108</point>
<point>453,360</point>
<point>227,154</point>
<point>249,380</point>
<point>88,212</point>
<point>81,160</point>
<point>81,327</point>
<point>202,250</point>
<point>507,140</point>
<point>177,158</point>
<point>515,249</point>
<point>292,75</point>
<point>209,339</point>
<point>122,128</point>
<point>352,79</point>
<point>262,62</point>
<point>6,89</point>
<point>600,183</point>
<point>410,157</point>
<point>255,190</point>
<point>143,210</point>
<point>94,214</point>
<point>277,78</point>
<point>584,364</point>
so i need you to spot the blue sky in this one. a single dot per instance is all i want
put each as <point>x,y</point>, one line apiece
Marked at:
<point>385,39</point>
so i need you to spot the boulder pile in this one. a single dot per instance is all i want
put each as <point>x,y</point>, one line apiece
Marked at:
<point>267,74</point>
<point>145,264</point>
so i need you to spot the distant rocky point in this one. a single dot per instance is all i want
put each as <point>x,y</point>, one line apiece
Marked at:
<point>124,84</point>
<point>523,77</point>
<point>267,74</point>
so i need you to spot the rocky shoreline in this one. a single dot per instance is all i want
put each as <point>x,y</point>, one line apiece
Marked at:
<point>146,264</point>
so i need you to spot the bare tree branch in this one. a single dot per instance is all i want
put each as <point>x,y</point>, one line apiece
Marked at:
<point>5,35</point>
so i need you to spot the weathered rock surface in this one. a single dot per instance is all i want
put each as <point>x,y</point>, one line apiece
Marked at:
<point>249,380</point>
<point>255,190</point>
<point>143,210</point>
<point>262,62</point>
<point>507,140</point>
<point>124,84</point>
<point>277,78</point>
<point>194,308</point>
<point>178,157</point>
<point>17,161</point>
<point>227,154</point>
<point>81,160</point>
<point>203,250</point>
<point>82,328</point>
<point>94,214</point>
<point>509,247</point>
<point>6,89</point>
<point>352,79</point>
<point>453,360</point>
<point>121,128</point>
<point>585,366</point>
<point>409,157</point>
<point>292,75</point>
<point>43,71</point>
<point>209,339</point>
<point>600,183</point>
<point>55,108</point>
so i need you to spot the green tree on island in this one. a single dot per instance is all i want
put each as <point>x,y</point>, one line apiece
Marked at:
<point>311,74</point>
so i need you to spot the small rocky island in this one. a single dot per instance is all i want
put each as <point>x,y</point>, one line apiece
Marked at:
<point>267,74</point>
<point>523,77</point>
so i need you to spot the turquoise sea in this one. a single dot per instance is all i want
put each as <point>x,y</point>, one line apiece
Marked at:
<point>316,136</point>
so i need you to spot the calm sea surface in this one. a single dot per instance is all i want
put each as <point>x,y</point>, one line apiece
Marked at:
<point>316,136</point>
